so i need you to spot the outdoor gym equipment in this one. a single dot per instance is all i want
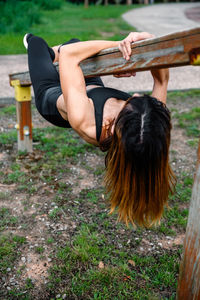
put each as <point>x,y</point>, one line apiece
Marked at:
<point>173,50</point>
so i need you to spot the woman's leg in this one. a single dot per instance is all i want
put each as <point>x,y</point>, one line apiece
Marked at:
<point>45,80</point>
<point>42,71</point>
<point>44,77</point>
<point>88,81</point>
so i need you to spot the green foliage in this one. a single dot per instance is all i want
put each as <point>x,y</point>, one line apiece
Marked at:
<point>17,16</point>
<point>58,26</point>
<point>49,4</point>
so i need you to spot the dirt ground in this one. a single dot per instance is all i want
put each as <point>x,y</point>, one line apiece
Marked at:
<point>32,209</point>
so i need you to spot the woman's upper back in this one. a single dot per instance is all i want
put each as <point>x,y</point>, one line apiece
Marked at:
<point>99,96</point>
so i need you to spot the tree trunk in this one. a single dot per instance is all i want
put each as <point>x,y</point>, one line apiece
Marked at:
<point>86,3</point>
<point>128,2</point>
<point>189,278</point>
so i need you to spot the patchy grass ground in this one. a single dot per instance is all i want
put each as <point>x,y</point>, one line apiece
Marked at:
<point>57,240</point>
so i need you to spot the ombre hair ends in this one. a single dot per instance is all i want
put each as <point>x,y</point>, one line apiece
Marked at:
<point>138,175</point>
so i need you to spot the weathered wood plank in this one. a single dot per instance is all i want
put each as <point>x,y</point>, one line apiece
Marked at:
<point>168,51</point>
<point>189,278</point>
<point>24,126</point>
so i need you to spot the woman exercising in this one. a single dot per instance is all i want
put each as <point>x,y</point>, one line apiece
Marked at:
<point>134,130</point>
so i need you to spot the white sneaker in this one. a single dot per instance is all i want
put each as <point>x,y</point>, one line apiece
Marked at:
<point>25,39</point>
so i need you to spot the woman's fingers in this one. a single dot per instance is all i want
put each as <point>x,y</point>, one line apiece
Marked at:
<point>136,95</point>
<point>128,74</point>
<point>125,48</point>
<point>125,45</point>
<point>122,48</point>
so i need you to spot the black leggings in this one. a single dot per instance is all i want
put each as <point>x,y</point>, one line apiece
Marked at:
<point>46,82</point>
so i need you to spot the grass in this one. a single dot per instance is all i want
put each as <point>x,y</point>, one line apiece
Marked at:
<point>55,213</point>
<point>6,219</point>
<point>8,110</point>
<point>9,251</point>
<point>4,196</point>
<point>184,95</point>
<point>7,138</point>
<point>190,121</point>
<point>78,265</point>
<point>97,238</point>
<point>51,139</point>
<point>71,21</point>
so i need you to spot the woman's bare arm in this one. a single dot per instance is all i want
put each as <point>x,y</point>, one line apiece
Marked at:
<point>72,79</point>
<point>161,78</point>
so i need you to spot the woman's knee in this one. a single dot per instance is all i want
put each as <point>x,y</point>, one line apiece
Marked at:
<point>74,41</point>
<point>36,41</point>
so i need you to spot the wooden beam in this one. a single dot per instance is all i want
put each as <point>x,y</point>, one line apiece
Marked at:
<point>173,50</point>
<point>189,277</point>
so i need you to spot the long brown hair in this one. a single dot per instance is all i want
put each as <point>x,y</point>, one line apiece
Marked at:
<point>138,175</point>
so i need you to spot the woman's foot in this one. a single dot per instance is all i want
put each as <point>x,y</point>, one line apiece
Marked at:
<point>26,38</point>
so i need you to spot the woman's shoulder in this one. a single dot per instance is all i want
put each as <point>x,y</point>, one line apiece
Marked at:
<point>104,93</point>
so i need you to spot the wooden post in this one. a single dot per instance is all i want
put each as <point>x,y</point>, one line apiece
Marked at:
<point>24,120</point>
<point>189,277</point>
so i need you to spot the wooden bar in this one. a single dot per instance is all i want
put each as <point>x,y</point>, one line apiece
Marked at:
<point>173,50</point>
<point>189,277</point>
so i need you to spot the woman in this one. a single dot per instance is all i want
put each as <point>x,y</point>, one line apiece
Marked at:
<point>134,130</point>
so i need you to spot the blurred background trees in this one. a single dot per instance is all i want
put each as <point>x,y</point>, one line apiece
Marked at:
<point>15,15</point>
<point>19,15</point>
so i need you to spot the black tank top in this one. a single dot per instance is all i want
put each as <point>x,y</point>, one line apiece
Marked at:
<point>99,97</point>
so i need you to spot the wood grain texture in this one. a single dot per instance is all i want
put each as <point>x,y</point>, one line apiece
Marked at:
<point>189,278</point>
<point>24,120</point>
<point>168,51</point>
